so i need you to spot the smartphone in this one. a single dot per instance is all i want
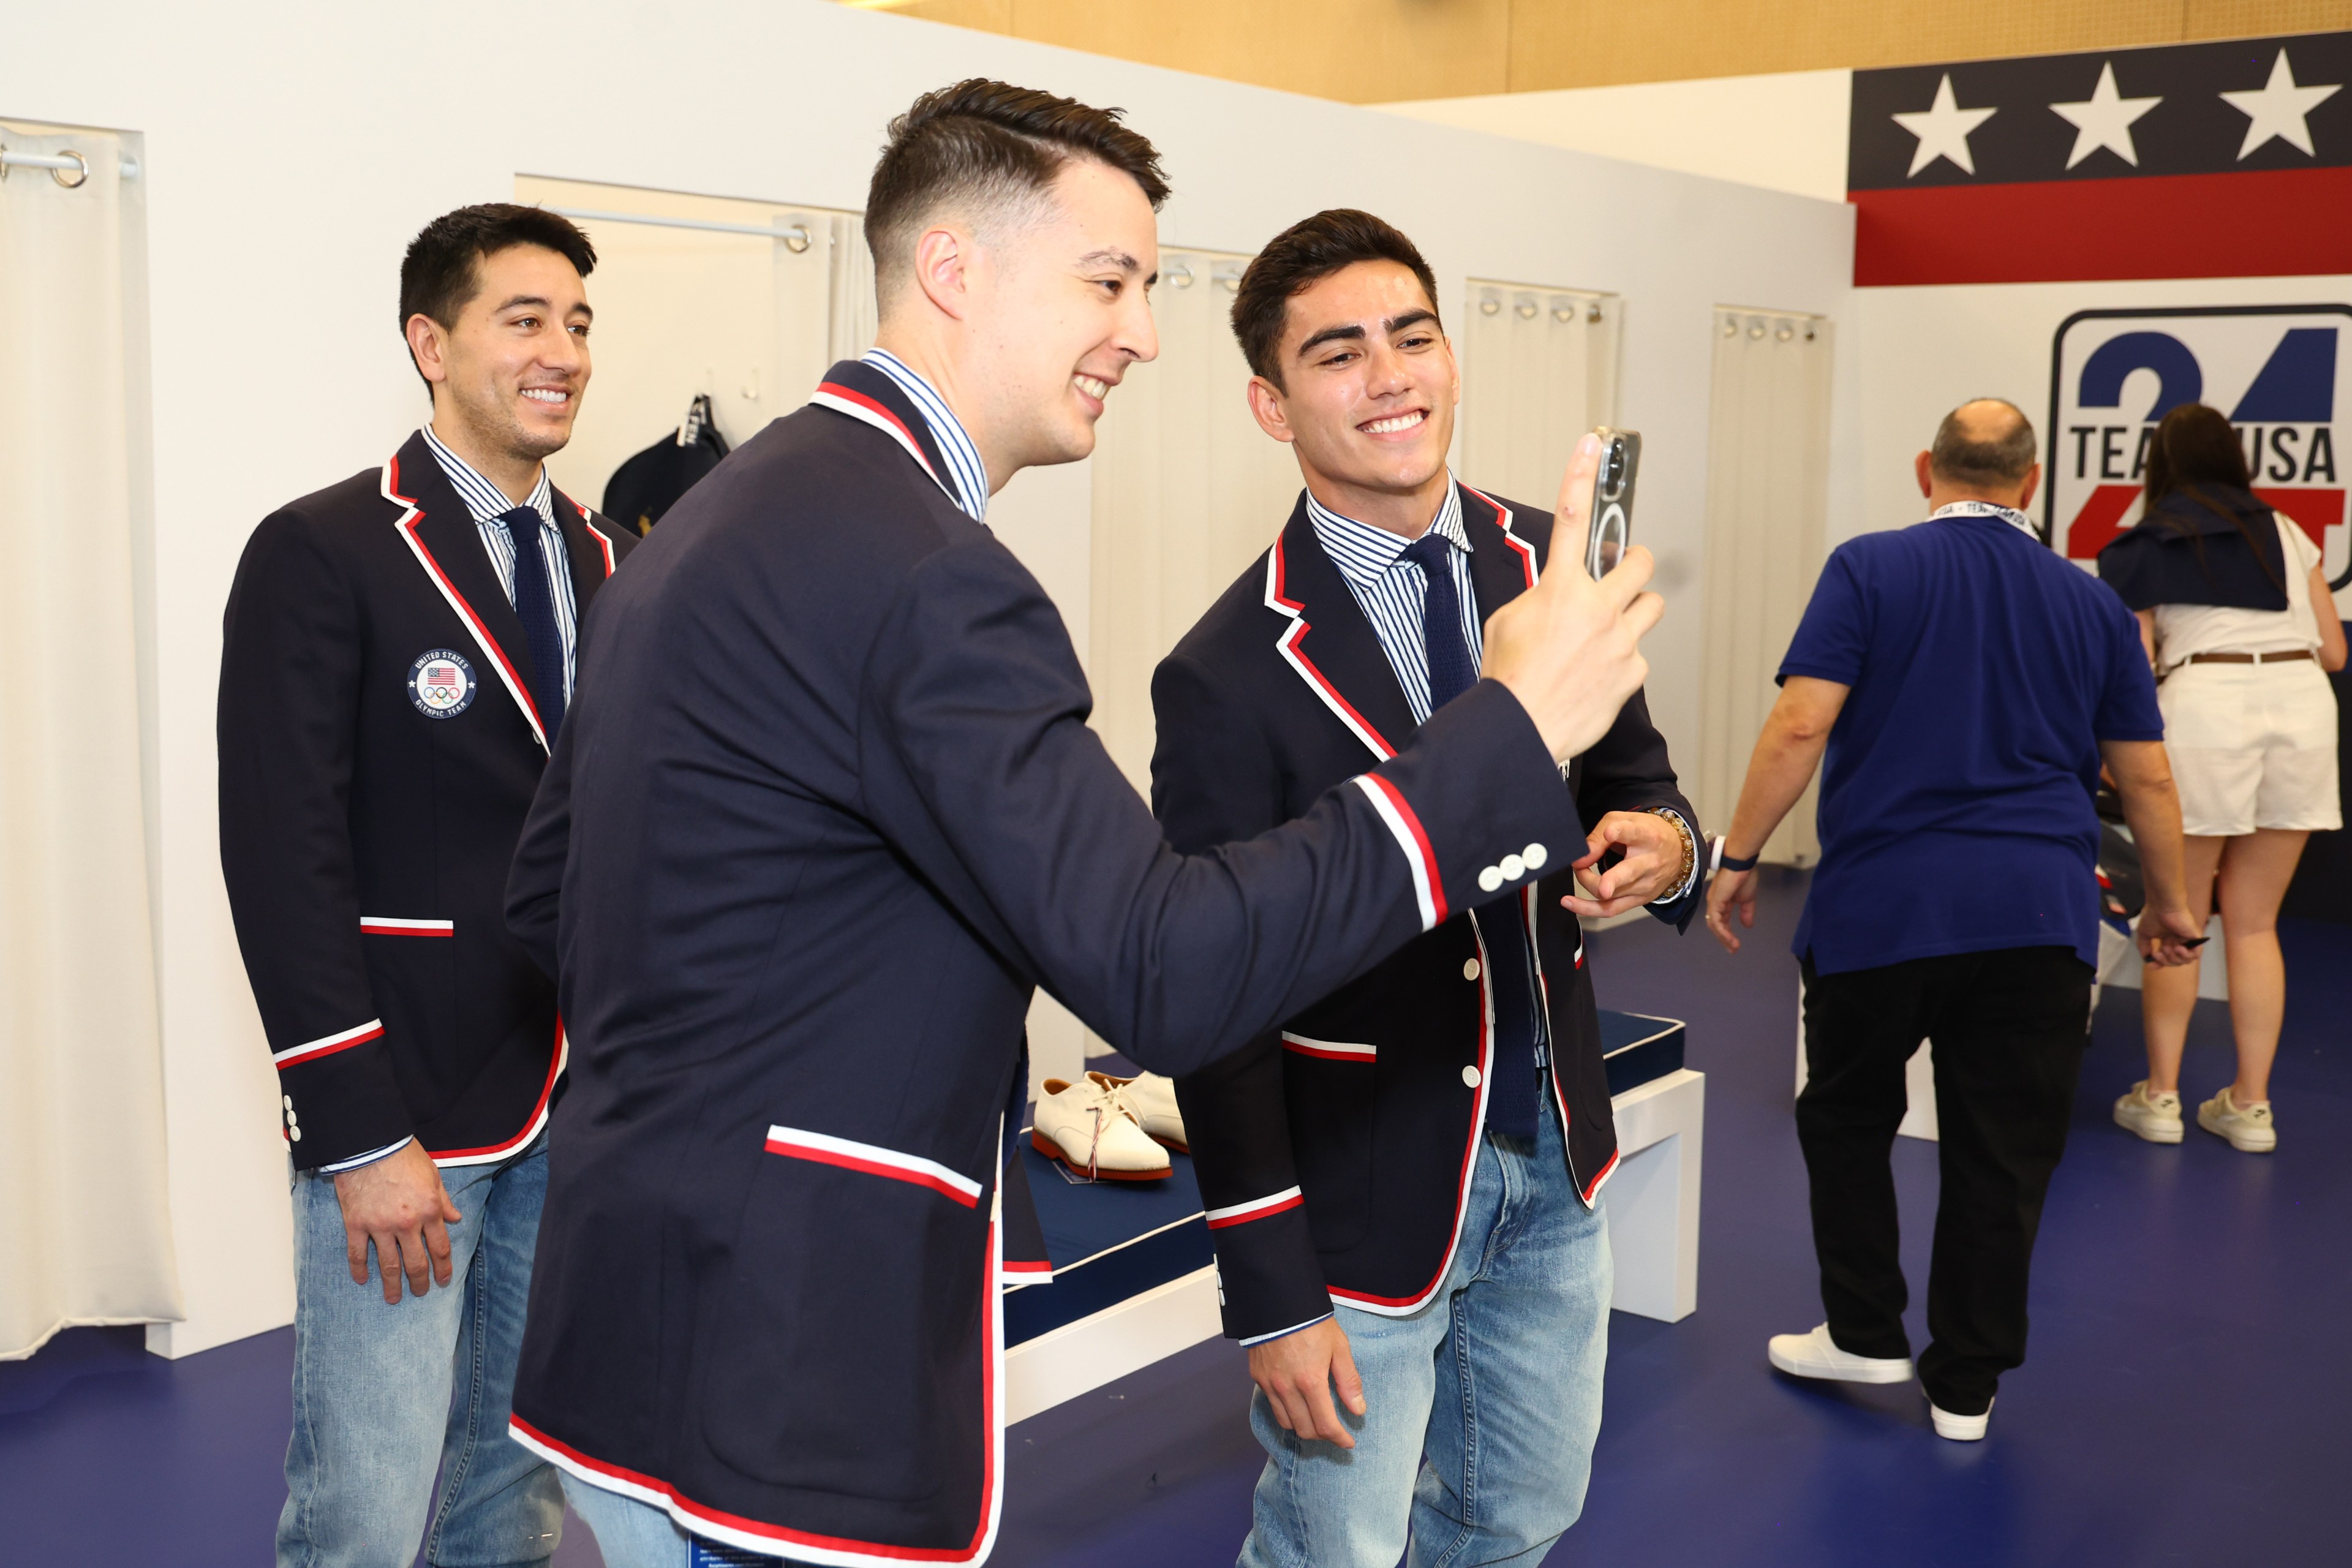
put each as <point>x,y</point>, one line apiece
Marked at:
<point>1611,528</point>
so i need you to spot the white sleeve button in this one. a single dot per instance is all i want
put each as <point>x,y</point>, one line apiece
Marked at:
<point>1535,855</point>
<point>1513,867</point>
<point>1490,879</point>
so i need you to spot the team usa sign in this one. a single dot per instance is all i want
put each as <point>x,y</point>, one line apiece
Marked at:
<point>2278,372</point>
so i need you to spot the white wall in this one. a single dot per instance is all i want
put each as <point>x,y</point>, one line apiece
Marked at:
<point>1926,349</point>
<point>293,149</point>
<point>1785,132</point>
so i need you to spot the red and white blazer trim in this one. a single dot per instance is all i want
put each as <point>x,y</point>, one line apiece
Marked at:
<point>1295,657</point>
<point>826,1150</point>
<point>1527,552</point>
<point>328,1045</point>
<point>1256,1208</point>
<point>508,676</point>
<point>1428,886</point>
<point>1031,1271</point>
<point>867,411</point>
<point>1330,1050</point>
<point>1402,1306</point>
<point>392,925</point>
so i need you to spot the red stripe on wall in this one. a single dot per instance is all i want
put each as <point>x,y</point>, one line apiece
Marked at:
<point>2261,223</point>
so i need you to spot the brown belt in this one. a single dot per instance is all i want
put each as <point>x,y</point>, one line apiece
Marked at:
<point>2248,658</point>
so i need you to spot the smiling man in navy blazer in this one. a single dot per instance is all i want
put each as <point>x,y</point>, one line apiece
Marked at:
<point>826,814</point>
<point>1403,1179</point>
<point>398,656</point>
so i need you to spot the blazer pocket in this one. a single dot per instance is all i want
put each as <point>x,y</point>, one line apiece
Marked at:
<point>415,986</point>
<point>1330,1089</point>
<point>854,1291</point>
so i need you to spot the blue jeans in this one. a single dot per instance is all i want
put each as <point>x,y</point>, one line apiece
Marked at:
<point>1480,1409</point>
<point>383,1397</point>
<point>633,1534</point>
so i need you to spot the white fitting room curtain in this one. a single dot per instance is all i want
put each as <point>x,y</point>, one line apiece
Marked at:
<point>1187,492</point>
<point>85,1232</point>
<point>1539,370</point>
<point>1767,497</point>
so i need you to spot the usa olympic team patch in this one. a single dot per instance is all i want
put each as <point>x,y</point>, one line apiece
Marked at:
<point>441,684</point>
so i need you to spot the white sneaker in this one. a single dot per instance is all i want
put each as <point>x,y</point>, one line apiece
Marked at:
<point>1817,1355</point>
<point>2250,1130</point>
<point>1083,1125</point>
<point>1960,1428</point>
<point>2154,1117</point>
<point>1151,1100</point>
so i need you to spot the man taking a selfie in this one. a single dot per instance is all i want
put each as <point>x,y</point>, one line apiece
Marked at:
<point>828,811</point>
<point>1403,1179</point>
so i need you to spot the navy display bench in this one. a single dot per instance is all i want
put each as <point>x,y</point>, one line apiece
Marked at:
<point>1134,1280</point>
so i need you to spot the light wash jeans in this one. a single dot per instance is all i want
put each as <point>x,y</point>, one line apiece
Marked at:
<point>386,1395</point>
<point>633,1534</point>
<point>1481,1408</point>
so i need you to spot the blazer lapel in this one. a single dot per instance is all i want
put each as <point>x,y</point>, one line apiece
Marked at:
<point>587,545</point>
<point>1329,645</point>
<point>1502,565</point>
<point>441,535</point>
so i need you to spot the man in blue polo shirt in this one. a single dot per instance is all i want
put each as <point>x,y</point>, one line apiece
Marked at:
<point>1966,684</point>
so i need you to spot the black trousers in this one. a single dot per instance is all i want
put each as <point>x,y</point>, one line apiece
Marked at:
<point>2009,1027</point>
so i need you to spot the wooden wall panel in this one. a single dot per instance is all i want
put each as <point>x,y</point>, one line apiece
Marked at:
<point>1591,43</point>
<point>1379,51</point>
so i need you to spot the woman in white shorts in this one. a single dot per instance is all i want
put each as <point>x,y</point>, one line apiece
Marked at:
<point>2240,625</point>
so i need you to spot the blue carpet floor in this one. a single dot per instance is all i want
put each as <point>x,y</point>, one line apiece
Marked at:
<point>2185,1402</point>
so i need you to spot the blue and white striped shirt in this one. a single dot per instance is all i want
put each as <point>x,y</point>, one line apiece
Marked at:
<point>488,504</point>
<point>1393,593</point>
<point>966,480</point>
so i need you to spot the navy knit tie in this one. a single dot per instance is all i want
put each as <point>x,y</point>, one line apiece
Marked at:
<point>534,602</point>
<point>1451,671</point>
<point>1511,1093</point>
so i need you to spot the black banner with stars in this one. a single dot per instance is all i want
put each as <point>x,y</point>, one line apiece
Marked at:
<point>2197,159</point>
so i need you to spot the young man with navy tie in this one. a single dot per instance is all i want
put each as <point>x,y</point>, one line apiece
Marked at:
<point>398,661</point>
<point>826,814</point>
<point>1403,1179</point>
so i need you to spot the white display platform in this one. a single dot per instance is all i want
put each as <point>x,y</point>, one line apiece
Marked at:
<point>1651,1204</point>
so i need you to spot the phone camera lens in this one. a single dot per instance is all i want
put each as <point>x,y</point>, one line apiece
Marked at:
<point>1612,469</point>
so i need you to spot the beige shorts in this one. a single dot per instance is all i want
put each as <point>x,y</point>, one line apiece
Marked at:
<point>2251,745</point>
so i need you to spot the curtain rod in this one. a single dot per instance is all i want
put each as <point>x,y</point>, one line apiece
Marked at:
<point>59,166</point>
<point>796,239</point>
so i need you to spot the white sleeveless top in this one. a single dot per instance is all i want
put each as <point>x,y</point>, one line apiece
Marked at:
<point>2185,629</point>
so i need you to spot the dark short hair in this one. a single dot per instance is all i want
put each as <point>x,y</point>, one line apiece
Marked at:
<point>1959,456</point>
<point>990,145</point>
<point>442,271</point>
<point>1301,256</point>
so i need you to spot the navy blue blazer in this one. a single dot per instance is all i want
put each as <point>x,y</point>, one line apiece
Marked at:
<point>1334,1157</point>
<point>824,812</point>
<point>378,752</point>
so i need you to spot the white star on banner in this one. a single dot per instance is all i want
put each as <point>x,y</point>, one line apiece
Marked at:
<point>2278,109</point>
<point>2104,120</point>
<point>1943,130</point>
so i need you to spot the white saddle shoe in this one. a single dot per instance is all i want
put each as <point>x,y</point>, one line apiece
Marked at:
<point>1085,1126</point>
<point>1817,1355</point>
<point>1151,1100</point>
